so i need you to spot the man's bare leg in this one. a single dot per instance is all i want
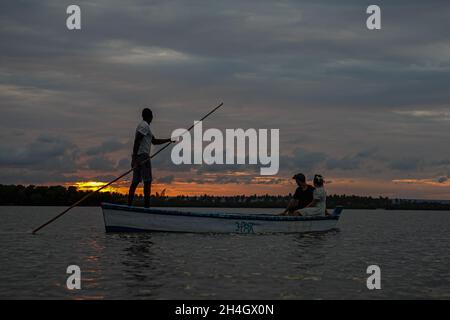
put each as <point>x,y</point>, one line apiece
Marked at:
<point>131,192</point>
<point>147,192</point>
<point>290,208</point>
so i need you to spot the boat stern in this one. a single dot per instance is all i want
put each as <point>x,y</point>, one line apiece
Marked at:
<point>337,211</point>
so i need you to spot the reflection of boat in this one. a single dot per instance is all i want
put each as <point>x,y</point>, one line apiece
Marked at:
<point>120,218</point>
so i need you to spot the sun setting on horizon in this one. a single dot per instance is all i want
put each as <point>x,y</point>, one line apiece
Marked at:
<point>92,186</point>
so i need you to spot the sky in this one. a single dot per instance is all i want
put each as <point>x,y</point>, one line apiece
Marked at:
<point>368,109</point>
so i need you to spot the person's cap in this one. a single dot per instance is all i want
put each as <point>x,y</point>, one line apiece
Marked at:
<point>299,176</point>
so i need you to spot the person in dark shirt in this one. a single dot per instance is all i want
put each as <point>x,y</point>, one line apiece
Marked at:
<point>303,195</point>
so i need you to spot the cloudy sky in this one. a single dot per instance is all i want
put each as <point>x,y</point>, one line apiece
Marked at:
<point>370,110</point>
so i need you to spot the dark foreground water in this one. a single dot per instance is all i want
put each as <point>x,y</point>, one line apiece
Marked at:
<point>411,248</point>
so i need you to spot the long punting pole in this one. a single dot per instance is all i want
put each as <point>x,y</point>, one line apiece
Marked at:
<point>119,177</point>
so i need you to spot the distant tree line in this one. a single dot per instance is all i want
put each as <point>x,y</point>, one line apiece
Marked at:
<point>62,196</point>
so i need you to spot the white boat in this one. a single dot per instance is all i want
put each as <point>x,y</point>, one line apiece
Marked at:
<point>121,218</point>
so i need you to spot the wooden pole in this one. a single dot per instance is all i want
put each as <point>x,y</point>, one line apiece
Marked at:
<point>118,178</point>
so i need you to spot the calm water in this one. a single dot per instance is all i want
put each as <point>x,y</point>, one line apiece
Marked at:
<point>412,249</point>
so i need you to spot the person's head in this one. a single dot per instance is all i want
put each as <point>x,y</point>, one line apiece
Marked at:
<point>318,181</point>
<point>300,179</point>
<point>147,115</point>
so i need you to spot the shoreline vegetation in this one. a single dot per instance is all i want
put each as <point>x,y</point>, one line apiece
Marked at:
<point>31,195</point>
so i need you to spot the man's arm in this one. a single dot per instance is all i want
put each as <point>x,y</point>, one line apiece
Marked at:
<point>292,205</point>
<point>312,203</point>
<point>156,141</point>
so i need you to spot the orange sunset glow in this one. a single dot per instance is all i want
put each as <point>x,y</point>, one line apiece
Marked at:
<point>262,186</point>
<point>184,188</point>
<point>92,186</point>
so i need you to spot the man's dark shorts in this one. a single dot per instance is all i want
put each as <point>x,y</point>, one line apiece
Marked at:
<point>144,171</point>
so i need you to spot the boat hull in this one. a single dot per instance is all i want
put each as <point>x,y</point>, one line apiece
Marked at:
<point>120,218</point>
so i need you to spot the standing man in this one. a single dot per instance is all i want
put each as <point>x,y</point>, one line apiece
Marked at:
<point>142,167</point>
<point>303,195</point>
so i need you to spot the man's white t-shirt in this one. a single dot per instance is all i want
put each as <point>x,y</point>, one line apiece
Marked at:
<point>146,143</point>
<point>320,196</point>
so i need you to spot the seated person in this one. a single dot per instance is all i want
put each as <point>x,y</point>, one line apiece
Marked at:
<point>317,207</point>
<point>303,196</point>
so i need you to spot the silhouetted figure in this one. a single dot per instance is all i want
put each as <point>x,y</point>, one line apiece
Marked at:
<point>141,157</point>
<point>303,195</point>
<point>318,206</point>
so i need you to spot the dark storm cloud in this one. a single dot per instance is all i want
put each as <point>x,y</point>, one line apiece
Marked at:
<point>124,163</point>
<point>166,179</point>
<point>351,162</point>
<point>305,160</point>
<point>105,147</point>
<point>406,164</point>
<point>45,152</point>
<point>442,179</point>
<point>52,158</point>
<point>103,178</point>
<point>277,45</point>
<point>310,68</point>
<point>26,176</point>
<point>100,163</point>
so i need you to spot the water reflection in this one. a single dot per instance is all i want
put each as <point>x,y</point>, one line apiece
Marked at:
<point>319,234</point>
<point>310,255</point>
<point>139,264</point>
<point>91,261</point>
